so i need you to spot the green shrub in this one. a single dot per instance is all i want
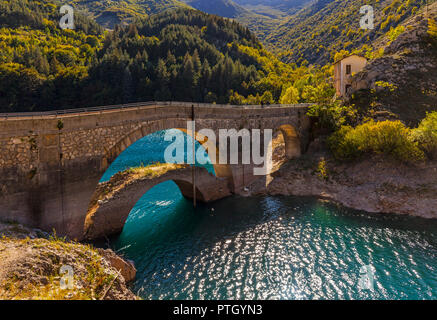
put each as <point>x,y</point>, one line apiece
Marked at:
<point>333,116</point>
<point>342,145</point>
<point>386,85</point>
<point>322,169</point>
<point>432,28</point>
<point>426,135</point>
<point>290,96</point>
<point>394,33</point>
<point>432,32</point>
<point>390,138</point>
<point>267,98</point>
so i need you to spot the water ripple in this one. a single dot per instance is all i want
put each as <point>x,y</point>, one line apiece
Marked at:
<point>271,252</point>
<point>270,247</point>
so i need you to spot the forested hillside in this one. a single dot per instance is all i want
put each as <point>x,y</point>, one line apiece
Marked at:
<point>176,55</point>
<point>40,63</point>
<point>40,15</point>
<point>261,16</point>
<point>316,33</point>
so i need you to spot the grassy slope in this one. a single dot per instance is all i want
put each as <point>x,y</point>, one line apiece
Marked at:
<point>30,268</point>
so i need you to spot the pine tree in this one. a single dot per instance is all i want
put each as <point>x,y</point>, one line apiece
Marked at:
<point>40,62</point>
<point>133,31</point>
<point>188,77</point>
<point>205,79</point>
<point>163,76</point>
<point>127,86</point>
<point>171,59</point>
<point>196,61</point>
<point>55,66</point>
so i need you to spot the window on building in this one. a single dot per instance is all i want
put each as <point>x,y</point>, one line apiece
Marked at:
<point>348,69</point>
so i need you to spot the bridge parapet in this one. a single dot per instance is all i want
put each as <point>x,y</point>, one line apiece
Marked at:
<point>141,105</point>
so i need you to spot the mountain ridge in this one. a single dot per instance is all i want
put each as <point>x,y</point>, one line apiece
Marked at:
<point>223,8</point>
<point>109,13</point>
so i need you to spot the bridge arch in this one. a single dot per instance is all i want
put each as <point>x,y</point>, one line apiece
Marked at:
<point>221,170</point>
<point>114,200</point>
<point>292,141</point>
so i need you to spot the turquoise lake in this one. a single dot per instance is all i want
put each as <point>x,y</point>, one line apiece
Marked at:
<point>269,247</point>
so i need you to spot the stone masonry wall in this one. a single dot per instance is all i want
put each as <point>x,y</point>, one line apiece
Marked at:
<point>50,164</point>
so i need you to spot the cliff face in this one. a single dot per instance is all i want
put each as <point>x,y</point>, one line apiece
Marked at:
<point>34,265</point>
<point>403,82</point>
<point>372,185</point>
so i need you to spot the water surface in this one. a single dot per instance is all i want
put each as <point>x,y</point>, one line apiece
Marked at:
<point>270,247</point>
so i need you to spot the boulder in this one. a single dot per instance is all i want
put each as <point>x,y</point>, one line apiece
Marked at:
<point>125,267</point>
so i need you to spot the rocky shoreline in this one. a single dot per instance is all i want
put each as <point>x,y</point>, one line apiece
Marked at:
<point>375,185</point>
<point>35,264</point>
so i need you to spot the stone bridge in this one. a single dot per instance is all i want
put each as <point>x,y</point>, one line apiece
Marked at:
<point>114,200</point>
<point>51,162</point>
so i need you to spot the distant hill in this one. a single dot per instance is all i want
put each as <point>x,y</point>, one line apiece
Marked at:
<point>274,9</point>
<point>223,8</point>
<point>260,16</point>
<point>285,6</point>
<point>108,13</point>
<point>325,27</point>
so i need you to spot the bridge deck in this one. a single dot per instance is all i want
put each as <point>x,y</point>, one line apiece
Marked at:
<point>138,106</point>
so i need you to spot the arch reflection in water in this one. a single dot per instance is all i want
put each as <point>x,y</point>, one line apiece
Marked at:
<point>108,217</point>
<point>149,150</point>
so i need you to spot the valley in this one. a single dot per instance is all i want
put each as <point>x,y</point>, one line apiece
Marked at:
<point>89,113</point>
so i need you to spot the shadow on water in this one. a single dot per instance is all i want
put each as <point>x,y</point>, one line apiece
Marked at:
<point>359,218</point>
